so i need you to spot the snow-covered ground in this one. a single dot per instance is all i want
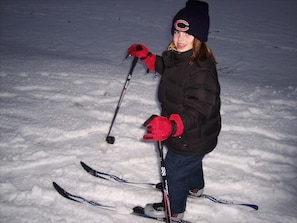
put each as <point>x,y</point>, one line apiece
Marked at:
<point>62,69</point>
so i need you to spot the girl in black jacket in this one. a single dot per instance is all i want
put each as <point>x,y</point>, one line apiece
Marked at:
<point>189,95</point>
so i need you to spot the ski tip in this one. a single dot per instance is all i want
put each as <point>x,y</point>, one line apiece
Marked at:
<point>58,188</point>
<point>56,185</point>
<point>85,166</point>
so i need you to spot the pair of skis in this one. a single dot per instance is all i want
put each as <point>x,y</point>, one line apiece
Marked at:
<point>157,186</point>
<point>138,210</point>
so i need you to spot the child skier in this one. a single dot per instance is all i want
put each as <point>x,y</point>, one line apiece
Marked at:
<point>189,95</point>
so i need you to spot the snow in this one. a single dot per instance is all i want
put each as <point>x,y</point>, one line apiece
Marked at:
<point>62,69</point>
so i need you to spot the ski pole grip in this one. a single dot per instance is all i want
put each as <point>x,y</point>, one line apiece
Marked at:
<point>134,62</point>
<point>139,47</point>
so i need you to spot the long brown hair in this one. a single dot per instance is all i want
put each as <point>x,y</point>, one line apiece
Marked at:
<point>201,51</point>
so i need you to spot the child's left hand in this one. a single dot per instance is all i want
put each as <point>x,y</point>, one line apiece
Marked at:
<point>159,128</point>
<point>141,51</point>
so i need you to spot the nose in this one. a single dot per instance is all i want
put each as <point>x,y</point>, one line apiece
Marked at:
<point>180,35</point>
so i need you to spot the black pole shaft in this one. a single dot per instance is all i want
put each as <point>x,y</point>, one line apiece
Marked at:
<point>134,62</point>
<point>164,183</point>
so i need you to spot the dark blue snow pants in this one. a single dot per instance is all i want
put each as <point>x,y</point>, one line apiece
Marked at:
<point>183,173</point>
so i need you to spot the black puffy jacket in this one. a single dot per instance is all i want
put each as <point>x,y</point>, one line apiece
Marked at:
<point>193,92</point>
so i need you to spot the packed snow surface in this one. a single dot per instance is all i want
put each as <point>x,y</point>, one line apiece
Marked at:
<point>62,70</point>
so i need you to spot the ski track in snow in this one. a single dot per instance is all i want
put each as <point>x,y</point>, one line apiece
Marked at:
<point>60,84</point>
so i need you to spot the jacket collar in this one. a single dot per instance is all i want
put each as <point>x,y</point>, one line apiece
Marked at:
<point>174,58</point>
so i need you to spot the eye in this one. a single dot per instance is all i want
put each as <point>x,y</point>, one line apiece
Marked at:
<point>176,32</point>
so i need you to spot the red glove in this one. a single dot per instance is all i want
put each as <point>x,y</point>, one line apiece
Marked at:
<point>142,52</point>
<point>159,128</point>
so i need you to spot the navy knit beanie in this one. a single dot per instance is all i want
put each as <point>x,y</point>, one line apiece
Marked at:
<point>193,19</point>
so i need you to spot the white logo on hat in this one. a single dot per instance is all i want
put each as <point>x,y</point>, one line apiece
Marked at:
<point>181,25</point>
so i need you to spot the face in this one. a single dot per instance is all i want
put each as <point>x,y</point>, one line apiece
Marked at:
<point>183,41</point>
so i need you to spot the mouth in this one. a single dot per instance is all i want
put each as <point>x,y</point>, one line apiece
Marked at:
<point>180,46</point>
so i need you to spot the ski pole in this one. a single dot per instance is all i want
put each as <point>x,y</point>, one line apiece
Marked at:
<point>164,184</point>
<point>110,139</point>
